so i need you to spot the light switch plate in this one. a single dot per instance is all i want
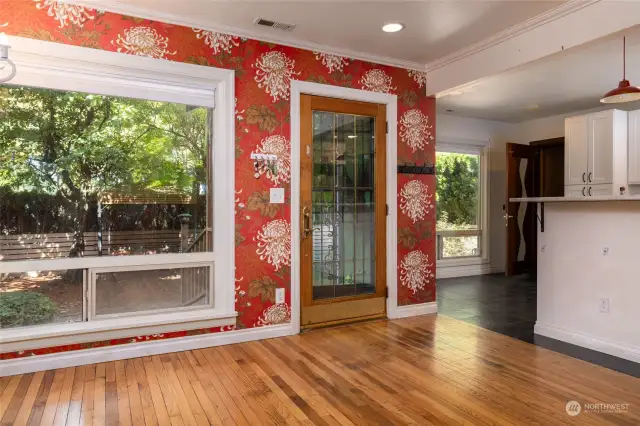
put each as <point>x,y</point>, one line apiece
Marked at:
<point>276,196</point>
<point>279,295</point>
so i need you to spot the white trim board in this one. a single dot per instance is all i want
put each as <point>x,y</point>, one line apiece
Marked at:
<point>124,9</point>
<point>391,101</point>
<point>580,339</point>
<point>135,350</point>
<point>414,310</point>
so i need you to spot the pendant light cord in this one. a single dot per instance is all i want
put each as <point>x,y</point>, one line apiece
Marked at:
<point>624,58</point>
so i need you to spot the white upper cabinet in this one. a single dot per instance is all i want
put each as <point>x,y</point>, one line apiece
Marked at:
<point>634,147</point>
<point>575,150</point>
<point>600,148</point>
<point>596,153</point>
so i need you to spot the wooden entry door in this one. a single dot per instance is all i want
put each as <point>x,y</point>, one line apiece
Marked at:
<point>343,210</point>
<point>520,218</point>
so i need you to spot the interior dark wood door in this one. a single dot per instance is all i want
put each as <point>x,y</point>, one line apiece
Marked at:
<point>343,210</point>
<point>520,218</point>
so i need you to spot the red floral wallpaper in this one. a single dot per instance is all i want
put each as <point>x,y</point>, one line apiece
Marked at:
<point>263,73</point>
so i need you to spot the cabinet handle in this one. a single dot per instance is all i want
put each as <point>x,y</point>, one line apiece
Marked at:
<point>589,191</point>
<point>589,178</point>
<point>583,194</point>
<point>584,177</point>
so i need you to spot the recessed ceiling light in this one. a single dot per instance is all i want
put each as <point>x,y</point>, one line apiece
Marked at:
<point>392,27</point>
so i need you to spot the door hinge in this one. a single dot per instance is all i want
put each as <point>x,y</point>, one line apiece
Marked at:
<point>387,126</point>
<point>386,292</point>
<point>386,207</point>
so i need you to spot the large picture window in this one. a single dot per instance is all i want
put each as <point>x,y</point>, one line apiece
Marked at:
<point>459,226</point>
<point>107,198</point>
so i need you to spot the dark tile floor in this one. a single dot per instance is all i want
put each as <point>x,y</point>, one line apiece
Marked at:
<point>507,305</point>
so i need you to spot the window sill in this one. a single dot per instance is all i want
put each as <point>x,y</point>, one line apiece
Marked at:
<point>462,261</point>
<point>114,328</point>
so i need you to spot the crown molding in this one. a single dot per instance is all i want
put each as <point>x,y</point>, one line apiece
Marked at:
<point>115,6</point>
<point>564,9</point>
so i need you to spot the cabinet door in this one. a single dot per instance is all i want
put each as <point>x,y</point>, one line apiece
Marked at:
<point>575,191</point>
<point>599,190</point>
<point>575,150</point>
<point>634,147</point>
<point>600,148</point>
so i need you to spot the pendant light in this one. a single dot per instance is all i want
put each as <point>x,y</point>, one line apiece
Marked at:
<point>625,92</point>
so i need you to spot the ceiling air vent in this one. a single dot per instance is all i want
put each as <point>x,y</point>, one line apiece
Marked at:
<point>274,24</point>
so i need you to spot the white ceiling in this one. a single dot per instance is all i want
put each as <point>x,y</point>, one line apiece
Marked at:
<point>433,28</point>
<point>569,81</point>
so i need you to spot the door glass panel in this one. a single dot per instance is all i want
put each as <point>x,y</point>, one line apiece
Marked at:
<point>343,205</point>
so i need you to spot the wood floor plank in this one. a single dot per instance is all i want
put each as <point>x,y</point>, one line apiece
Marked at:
<point>99,396</point>
<point>146,399</point>
<point>65,398</point>
<point>16,401</point>
<point>7,393</point>
<point>86,413</point>
<point>159,406</point>
<point>29,399</point>
<point>135,403</point>
<point>429,370</point>
<point>75,403</point>
<point>122,389</point>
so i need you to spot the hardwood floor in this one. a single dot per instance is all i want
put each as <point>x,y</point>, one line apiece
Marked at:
<point>419,371</point>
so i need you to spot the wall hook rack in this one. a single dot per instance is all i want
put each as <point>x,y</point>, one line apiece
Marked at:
<point>264,162</point>
<point>416,169</point>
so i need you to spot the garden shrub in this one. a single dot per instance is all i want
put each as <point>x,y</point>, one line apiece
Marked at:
<point>25,308</point>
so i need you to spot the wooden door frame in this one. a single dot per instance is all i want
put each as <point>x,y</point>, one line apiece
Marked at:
<point>391,103</point>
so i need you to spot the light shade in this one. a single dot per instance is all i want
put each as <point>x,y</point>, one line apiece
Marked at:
<point>625,92</point>
<point>392,27</point>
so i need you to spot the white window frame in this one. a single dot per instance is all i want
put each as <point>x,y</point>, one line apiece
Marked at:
<point>71,68</point>
<point>481,149</point>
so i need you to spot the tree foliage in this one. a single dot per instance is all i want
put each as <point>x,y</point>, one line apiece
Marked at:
<point>77,146</point>
<point>458,188</point>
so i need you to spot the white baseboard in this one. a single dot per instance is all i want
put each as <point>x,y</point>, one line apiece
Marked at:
<point>590,342</point>
<point>467,270</point>
<point>134,350</point>
<point>413,310</point>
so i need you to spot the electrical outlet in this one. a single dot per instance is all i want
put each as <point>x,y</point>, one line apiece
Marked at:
<point>605,251</point>
<point>604,305</point>
<point>279,295</point>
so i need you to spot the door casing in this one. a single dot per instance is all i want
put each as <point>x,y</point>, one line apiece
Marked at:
<point>391,102</point>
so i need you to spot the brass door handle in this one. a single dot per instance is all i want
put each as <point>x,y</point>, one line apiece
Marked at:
<point>306,222</point>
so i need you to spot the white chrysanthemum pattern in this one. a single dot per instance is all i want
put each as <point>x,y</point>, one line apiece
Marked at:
<point>376,80</point>
<point>274,71</point>
<point>280,147</point>
<point>276,314</point>
<point>415,130</point>
<point>66,13</point>
<point>419,77</point>
<point>415,271</point>
<point>415,200</point>
<point>274,243</point>
<point>332,62</point>
<point>143,41</point>
<point>219,42</point>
